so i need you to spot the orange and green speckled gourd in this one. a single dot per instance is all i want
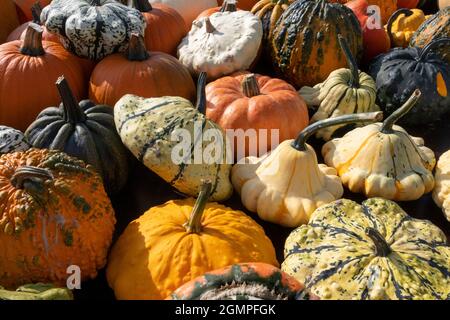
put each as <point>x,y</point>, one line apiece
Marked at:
<point>54,213</point>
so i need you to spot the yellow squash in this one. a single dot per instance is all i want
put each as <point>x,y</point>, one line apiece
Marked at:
<point>286,185</point>
<point>383,160</point>
<point>441,193</point>
<point>402,25</point>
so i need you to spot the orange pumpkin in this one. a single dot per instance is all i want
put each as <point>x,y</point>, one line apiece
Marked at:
<point>165,26</point>
<point>8,19</point>
<point>242,4</point>
<point>28,71</point>
<point>231,7</point>
<point>55,214</point>
<point>252,101</point>
<point>24,6</point>
<point>139,72</point>
<point>387,7</point>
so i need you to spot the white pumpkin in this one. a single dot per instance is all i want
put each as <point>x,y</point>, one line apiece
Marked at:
<point>221,44</point>
<point>12,140</point>
<point>189,9</point>
<point>441,194</point>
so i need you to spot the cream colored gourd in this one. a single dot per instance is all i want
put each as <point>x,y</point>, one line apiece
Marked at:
<point>151,129</point>
<point>188,9</point>
<point>383,160</point>
<point>441,193</point>
<point>345,91</point>
<point>286,185</point>
<point>221,44</point>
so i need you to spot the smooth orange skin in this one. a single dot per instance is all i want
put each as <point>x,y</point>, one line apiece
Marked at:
<point>387,7</point>
<point>27,84</point>
<point>278,107</point>
<point>209,12</point>
<point>242,4</point>
<point>19,34</point>
<point>160,75</point>
<point>165,29</point>
<point>8,19</point>
<point>24,257</point>
<point>155,255</point>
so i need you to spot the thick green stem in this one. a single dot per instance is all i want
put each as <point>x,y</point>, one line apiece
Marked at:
<point>32,44</point>
<point>382,249</point>
<point>432,45</point>
<point>194,224</point>
<point>300,143</point>
<point>201,92</point>
<point>136,48</point>
<point>406,12</point>
<point>36,10</point>
<point>400,112</point>
<point>71,108</point>
<point>353,66</point>
<point>250,86</point>
<point>30,174</point>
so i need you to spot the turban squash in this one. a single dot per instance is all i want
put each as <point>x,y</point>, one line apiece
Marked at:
<point>83,130</point>
<point>382,160</point>
<point>93,28</point>
<point>286,185</point>
<point>34,64</point>
<point>304,46</point>
<point>151,129</point>
<point>441,193</point>
<point>54,214</point>
<point>345,91</point>
<point>8,19</point>
<point>245,281</point>
<point>402,25</point>
<point>400,71</point>
<point>38,291</point>
<point>255,102</point>
<point>178,241</point>
<point>12,140</point>
<point>373,251</point>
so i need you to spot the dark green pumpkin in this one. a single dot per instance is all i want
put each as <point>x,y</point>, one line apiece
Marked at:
<point>86,131</point>
<point>436,27</point>
<point>401,71</point>
<point>305,47</point>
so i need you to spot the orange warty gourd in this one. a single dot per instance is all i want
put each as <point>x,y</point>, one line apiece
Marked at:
<point>28,71</point>
<point>8,19</point>
<point>24,6</point>
<point>242,4</point>
<point>165,26</point>
<point>54,214</point>
<point>252,101</point>
<point>139,72</point>
<point>180,240</point>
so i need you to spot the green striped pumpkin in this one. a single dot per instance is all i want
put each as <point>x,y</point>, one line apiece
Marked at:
<point>148,129</point>
<point>304,45</point>
<point>369,251</point>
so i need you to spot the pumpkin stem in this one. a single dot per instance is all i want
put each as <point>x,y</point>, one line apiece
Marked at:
<point>71,108</point>
<point>194,224</point>
<point>208,26</point>
<point>201,92</point>
<point>142,5</point>
<point>400,112</point>
<point>32,44</point>
<point>433,44</point>
<point>405,11</point>
<point>30,174</point>
<point>250,86</point>
<point>300,143</point>
<point>228,6</point>
<point>353,66</point>
<point>36,10</point>
<point>382,249</point>
<point>136,48</point>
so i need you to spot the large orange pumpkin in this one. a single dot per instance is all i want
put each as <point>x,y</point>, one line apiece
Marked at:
<point>55,214</point>
<point>165,26</point>
<point>251,101</point>
<point>8,19</point>
<point>387,7</point>
<point>242,4</point>
<point>24,6</point>
<point>231,7</point>
<point>28,71</point>
<point>139,72</point>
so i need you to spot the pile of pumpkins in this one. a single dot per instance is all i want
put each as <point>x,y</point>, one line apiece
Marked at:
<point>85,86</point>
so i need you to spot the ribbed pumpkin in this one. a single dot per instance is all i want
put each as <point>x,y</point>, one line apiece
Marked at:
<point>165,26</point>
<point>402,25</point>
<point>139,72</point>
<point>37,291</point>
<point>436,27</point>
<point>35,65</point>
<point>245,281</point>
<point>305,48</point>
<point>441,194</point>
<point>373,251</point>
<point>12,140</point>
<point>164,134</point>
<point>180,240</point>
<point>24,6</point>
<point>8,19</point>
<point>400,71</point>
<point>386,7</point>
<point>55,214</point>
<point>85,131</point>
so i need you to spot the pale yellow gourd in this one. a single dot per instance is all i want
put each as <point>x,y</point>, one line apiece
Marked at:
<point>383,160</point>
<point>441,193</point>
<point>287,185</point>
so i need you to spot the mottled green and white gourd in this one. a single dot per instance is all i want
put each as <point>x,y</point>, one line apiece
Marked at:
<point>151,128</point>
<point>371,251</point>
<point>92,28</point>
<point>12,140</point>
